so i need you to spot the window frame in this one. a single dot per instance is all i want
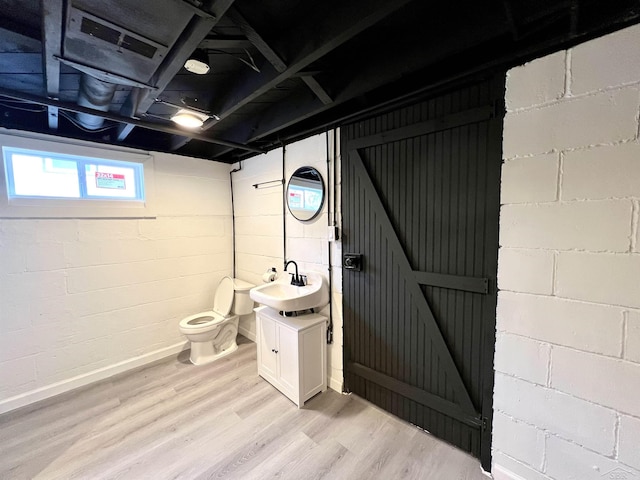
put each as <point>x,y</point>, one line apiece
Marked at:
<point>85,206</point>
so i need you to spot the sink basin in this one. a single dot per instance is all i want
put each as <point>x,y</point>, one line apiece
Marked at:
<point>283,296</point>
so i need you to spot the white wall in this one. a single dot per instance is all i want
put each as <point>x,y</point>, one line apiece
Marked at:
<point>82,299</point>
<point>259,229</point>
<point>567,392</point>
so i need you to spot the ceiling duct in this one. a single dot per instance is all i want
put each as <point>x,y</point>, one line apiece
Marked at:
<point>97,43</point>
<point>116,43</point>
<point>96,94</point>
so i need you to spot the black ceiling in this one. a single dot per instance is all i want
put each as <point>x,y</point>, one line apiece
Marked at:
<point>280,69</point>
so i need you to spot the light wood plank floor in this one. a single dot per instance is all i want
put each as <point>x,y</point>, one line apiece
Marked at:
<point>173,420</point>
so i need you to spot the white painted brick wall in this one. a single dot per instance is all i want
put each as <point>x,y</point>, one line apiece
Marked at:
<point>603,278</point>
<point>259,230</point>
<point>569,266</point>
<point>584,326</point>
<point>606,63</point>
<point>635,222</point>
<point>611,171</point>
<point>525,270</point>
<point>508,468</point>
<point>530,180</point>
<point>601,118</point>
<point>522,357</point>
<point>518,439</point>
<point>17,376</point>
<point>538,83</point>
<point>597,226</point>
<point>607,381</point>
<point>629,449</point>
<point>79,295</point>
<point>557,413</point>
<point>632,343</point>
<point>569,461</point>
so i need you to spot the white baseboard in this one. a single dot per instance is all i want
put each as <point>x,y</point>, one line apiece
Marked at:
<point>500,473</point>
<point>335,384</point>
<point>103,373</point>
<point>247,333</point>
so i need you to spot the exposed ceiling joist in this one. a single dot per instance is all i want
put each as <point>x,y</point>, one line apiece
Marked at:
<point>52,19</point>
<point>14,42</point>
<point>508,12</point>
<point>312,65</point>
<point>72,107</point>
<point>363,78</point>
<point>318,89</point>
<point>271,56</point>
<point>140,100</point>
<point>257,40</point>
<point>225,43</point>
<point>342,23</point>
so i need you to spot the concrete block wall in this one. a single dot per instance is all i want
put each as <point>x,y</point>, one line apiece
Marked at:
<point>568,343</point>
<point>308,244</point>
<point>259,221</point>
<point>82,299</point>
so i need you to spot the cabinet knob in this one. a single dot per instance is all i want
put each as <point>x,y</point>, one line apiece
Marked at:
<point>275,351</point>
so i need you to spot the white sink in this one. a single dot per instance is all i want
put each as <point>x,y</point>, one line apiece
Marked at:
<point>283,296</point>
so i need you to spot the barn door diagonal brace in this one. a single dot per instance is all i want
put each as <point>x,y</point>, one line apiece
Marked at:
<point>424,311</point>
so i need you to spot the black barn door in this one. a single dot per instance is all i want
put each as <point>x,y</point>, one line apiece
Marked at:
<point>420,193</point>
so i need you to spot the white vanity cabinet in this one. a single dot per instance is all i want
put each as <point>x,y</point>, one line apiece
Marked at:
<point>292,353</point>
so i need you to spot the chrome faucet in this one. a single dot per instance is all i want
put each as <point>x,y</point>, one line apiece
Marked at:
<point>296,279</point>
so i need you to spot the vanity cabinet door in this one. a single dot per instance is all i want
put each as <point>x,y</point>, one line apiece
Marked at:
<point>267,346</point>
<point>288,374</point>
<point>292,353</point>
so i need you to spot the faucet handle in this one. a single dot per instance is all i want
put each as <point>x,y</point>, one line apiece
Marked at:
<point>298,280</point>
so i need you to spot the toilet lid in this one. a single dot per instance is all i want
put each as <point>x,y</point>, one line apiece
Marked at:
<point>223,298</point>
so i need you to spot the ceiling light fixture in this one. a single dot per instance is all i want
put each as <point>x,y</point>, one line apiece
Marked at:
<point>198,62</point>
<point>189,118</point>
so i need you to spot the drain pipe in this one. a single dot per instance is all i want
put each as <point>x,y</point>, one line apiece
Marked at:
<point>233,220</point>
<point>335,180</point>
<point>284,209</point>
<point>95,94</point>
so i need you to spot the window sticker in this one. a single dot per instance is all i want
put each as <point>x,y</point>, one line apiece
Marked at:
<point>110,180</point>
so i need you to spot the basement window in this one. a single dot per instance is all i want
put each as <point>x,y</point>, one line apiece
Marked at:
<point>34,174</point>
<point>62,180</point>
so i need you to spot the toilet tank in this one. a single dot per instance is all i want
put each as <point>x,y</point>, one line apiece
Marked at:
<point>242,303</point>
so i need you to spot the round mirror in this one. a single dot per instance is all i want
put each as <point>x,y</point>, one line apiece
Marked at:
<point>305,193</point>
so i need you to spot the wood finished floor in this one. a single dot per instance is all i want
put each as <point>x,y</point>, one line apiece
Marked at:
<point>174,420</point>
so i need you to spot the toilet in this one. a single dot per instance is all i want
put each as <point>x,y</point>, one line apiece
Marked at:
<point>213,333</point>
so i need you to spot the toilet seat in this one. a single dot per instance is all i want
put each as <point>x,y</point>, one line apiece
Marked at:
<point>201,322</point>
<point>223,298</point>
<point>222,302</point>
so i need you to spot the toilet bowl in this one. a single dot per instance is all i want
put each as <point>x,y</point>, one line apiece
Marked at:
<point>213,333</point>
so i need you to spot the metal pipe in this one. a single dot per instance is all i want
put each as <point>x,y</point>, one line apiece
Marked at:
<point>95,94</point>
<point>233,219</point>
<point>72,107</point>
<point>330,267</point>
<point>284,206</point>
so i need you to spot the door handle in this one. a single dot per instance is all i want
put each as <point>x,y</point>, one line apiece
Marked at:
<point>352,261</point>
